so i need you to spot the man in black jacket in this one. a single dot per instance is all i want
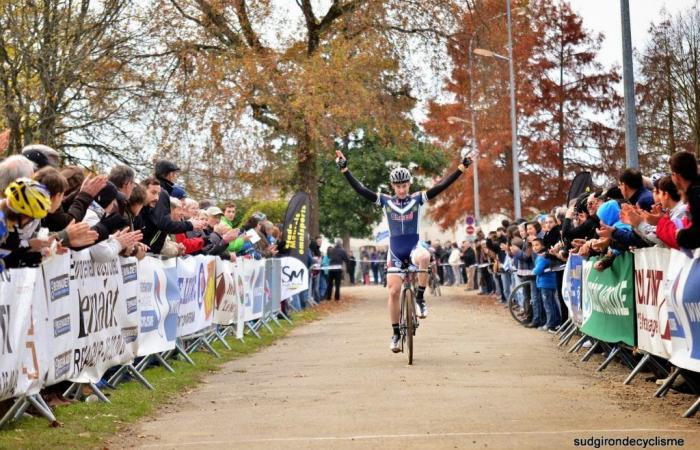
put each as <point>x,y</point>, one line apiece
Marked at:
<point>336,257</point>
<point>157,222</point>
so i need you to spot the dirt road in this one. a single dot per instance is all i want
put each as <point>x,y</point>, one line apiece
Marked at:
<point>478,381</point>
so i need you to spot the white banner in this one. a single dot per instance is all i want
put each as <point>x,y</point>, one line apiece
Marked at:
<point>195,277</point>
<point>683,282</point>
<point>62,318</point>
<point>653,332</point>
<point>16,296</point>
<point>226,309</point>
<point>253,272</point>
<point>93,315</point>
<point>36,358</point>
<point>295,277</point>
<point>159,302</point>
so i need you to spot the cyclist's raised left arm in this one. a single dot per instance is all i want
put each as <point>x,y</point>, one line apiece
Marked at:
<point>448,180</point>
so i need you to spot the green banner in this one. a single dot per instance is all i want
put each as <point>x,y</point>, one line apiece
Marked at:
<point>608,302</point>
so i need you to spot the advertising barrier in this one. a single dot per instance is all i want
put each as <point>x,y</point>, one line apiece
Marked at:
<point>609,297</point>
<point>653,331</point>
<point>74,318</point>
<point>683,283</point>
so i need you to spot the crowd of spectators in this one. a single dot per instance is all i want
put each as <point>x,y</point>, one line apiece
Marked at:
<point>661,210</point>
<point>47,209</point>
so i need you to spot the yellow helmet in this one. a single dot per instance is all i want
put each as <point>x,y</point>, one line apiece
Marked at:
<point>28,197</point>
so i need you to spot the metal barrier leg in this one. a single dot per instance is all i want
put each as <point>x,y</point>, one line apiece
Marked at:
<point>179,349</point>
<point>590,351</point>
<point>567,337</point>
<point>627,357</point>
<point>42,407</point>
<point>285,317</point>
<point>574,348</point>
<point>21,410</point>
<point>118,375</point>
<point>208,346</point>
<point>615,350</point>
<point>220,337</point>
<point>140,378</point>
<point>11,413</point>
<point>144,363</point>
<point>643,362</point>
<point>658,365</point>
<point>689,413</point>
<point>163,362</point>
<point>565,330</point>
<point>564,327</point>
<point>266,325</point>
<point>668,383</point>
<point>98,393</point>
<point>274,319</point>
<point>73,387</point>
<point>253,330</point>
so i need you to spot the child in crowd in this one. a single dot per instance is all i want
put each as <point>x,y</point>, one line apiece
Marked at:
<point>547,286</point>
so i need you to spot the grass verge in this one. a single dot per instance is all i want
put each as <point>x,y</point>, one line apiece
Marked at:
<point>88,425</point>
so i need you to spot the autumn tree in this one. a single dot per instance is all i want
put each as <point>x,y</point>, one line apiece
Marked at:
<point>567,106</point>
<point>287,74</point>
<point>572,112</point>
<point>669,89</point>
<point>69,77</point>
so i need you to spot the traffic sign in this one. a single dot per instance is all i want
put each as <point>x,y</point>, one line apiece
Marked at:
<point>470,220</point>
<point>470,229</point>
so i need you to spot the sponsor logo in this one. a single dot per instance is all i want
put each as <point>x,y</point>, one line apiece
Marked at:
<point>61,364</point>
<point>61,325</point>
<point>59,287</point>
<point>131,305</point>
<point>129,272</point>
<point>5,348</point>
<point>129,334</point>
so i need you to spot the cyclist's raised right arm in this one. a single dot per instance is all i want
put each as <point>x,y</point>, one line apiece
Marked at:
<point>360,188</point>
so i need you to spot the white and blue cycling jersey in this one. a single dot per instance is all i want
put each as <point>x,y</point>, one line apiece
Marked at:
<point>403,215</point>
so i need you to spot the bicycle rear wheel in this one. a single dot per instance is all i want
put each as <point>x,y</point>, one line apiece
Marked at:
<point>516,311</point>
<point>410,321</point>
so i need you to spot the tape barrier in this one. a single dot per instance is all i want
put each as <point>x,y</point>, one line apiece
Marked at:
<point>73,318</point>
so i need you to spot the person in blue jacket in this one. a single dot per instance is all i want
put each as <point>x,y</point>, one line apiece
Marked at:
<point>547,285</point>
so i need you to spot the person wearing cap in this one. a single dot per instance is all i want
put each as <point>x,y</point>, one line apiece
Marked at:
<point>157,220</point>
<point>217,236</point>
<point>41,155</point>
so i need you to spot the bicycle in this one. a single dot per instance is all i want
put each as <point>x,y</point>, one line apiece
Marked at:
<point>434,282</point>
<point>521,313</point>
<point>408,320</point>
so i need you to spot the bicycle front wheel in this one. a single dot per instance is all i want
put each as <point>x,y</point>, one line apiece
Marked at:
<point>518,313</point>
<point>410,321</point>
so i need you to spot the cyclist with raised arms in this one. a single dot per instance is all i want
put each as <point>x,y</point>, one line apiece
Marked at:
<point>402,212</point>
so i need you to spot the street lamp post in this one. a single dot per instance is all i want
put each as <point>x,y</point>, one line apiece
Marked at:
<point>631,151</point>
<point>513,123</point>
<point>472,110</point>
<point>513,119</point>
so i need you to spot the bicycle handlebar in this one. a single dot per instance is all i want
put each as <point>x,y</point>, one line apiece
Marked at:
<point>408,270</point>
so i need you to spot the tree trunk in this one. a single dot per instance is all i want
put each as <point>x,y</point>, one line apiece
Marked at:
<point>308,179</point>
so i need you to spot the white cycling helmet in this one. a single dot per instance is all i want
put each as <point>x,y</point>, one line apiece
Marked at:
<point>400,175</point>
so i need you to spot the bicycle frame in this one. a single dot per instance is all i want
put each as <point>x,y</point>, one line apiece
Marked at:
<point>408,321</point>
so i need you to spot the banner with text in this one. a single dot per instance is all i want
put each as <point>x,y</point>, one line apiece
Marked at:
<point>610,297</point>
<point>159,303</point>
<point>683,283</point>
<point>653,332</point>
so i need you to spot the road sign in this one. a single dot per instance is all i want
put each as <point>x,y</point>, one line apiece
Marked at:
<point>470,230</point>
<point>470,220</point>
